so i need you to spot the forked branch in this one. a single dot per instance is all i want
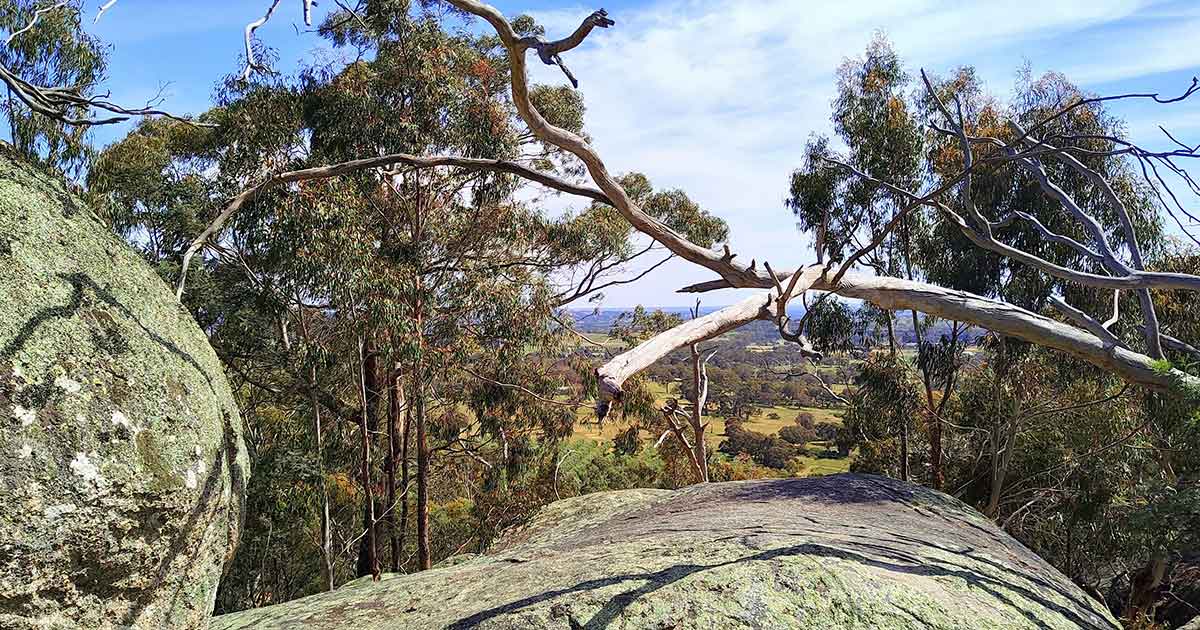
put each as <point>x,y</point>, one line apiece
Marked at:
<point>885,292</point>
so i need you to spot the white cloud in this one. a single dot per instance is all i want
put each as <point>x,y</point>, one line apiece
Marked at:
<point>718,96</point>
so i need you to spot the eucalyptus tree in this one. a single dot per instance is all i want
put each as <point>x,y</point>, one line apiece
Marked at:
<point>1051,302</point>
<point>447,284</point>
<point>881,126</point>
<point>46,46</point>
<point>52,71</point>
<point>873,117</point>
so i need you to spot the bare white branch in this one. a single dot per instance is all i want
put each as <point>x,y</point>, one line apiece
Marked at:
<point>34,20</point>
<point>612,375</point>
<point>1116,312</point>
<point>1085,320</point>
<point>104,7</point>
<point>251,65</point>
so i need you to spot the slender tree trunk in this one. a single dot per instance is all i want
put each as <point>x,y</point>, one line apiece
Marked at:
<point>326,534</point>
<point>368,558</point>
<point>424,559</point>
<point>993,506</point>
<point>891,333</point>
<point>937,474</point>
<point>1144,586</point>
<point>419,376</point>
<point>404,440</point>
<point>395,402</point>
<point>700,450</point>
<point>937,478</point>
<point>319,439</point>
<point>12,121</point>
<point>933,420</point>
<point>699,397</point>
<point>903,421</point>
<point>1004,440</point>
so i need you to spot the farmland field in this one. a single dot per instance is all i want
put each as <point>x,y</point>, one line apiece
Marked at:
<point>587,428</point>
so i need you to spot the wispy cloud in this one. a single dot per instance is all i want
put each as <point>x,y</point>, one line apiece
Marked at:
<point>718,96</point>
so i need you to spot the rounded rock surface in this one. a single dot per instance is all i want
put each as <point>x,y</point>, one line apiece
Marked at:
<point>122,467</point>
<point>838,552</point>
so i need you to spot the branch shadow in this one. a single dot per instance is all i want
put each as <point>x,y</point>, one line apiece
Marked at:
<point>887,559</point>
<point>85,291</point>
<point>82,285</point>
<point>181,541</point>
<point>875,540</point>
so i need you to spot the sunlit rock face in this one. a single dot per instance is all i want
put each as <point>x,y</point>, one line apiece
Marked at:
<point>844,551</point>
<point>122,468</point>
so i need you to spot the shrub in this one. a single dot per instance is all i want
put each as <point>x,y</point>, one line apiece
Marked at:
<point>797,435</point>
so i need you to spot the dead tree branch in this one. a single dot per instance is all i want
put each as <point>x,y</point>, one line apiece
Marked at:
<point>251,64</point>
<point>103,9</point>
<point>34,20</point>
<point>343,168</point>
<point>612,375</point>
<point>888,293</point>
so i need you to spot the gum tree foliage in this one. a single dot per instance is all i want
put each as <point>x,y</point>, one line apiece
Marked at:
<point>54,52</point>
<point>880,114</point>
<point>450,280</point>
<point>923,175</point>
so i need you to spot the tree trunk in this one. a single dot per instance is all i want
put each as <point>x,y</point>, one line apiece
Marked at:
<point>699,398</point>
<point>1004,441</point>
<point>903,421</point>
<point>326,534</point>
<point>997,484</point>
<point>1143,587</point>
<point>12,122</point>
<point>404,475</point>
<point>933,420</point>
<point>936,476</point>
<point>935,427</point>
<point>1008,445</point>
<point>395,402</point>
<point>424,560</point>
<point>368,558</point>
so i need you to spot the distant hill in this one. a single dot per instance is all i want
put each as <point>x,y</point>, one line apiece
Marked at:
<point>601,321</point>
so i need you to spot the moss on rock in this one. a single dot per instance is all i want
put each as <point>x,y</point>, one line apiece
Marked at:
<point>122,468</point>
<point>837,552</point>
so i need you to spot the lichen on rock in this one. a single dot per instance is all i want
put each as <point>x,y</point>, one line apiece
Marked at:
<point>838,552</point>
<point>122,468</point>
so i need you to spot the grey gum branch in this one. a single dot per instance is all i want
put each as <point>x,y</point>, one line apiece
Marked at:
<point>885,292</point>
<point>385,161</point>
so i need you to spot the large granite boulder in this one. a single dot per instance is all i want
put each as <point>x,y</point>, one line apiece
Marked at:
<point>122,468</point>
<point>844,551</point>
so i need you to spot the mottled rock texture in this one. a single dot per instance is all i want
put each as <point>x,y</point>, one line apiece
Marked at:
<point>845,551</point>
<point>122,468</point>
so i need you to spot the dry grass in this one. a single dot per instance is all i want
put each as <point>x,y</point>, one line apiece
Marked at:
<point>761,421</point>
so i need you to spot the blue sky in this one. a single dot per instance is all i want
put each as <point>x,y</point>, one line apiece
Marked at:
<point>718,96</point>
